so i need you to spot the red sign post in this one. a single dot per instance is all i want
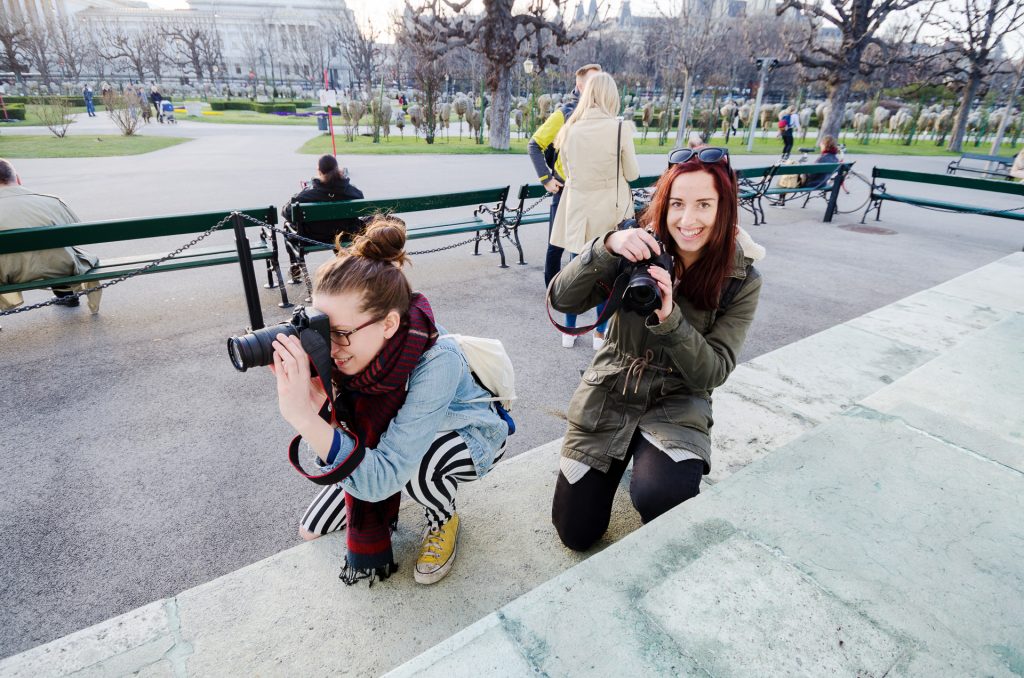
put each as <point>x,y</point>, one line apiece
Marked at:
<point>330,118</point>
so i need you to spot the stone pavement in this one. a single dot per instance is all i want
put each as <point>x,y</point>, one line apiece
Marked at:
<point>873,526</point>
<point>887,541</point>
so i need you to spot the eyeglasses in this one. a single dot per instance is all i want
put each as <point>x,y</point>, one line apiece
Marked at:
<point>341,337</point>
<point>707,155</point>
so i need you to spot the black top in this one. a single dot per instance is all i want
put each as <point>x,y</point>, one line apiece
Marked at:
<point>336,190</point>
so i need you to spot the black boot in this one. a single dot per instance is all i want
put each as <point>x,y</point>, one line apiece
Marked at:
<point>65,298</point>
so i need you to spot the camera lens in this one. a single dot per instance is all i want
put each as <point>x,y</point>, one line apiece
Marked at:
<point>256,348</point>
<point>642,296</point>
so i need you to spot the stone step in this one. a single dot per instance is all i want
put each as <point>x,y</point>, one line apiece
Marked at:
<point>289,613</point>
<point>887,541</point>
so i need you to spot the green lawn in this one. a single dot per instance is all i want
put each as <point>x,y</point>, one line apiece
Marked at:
<point>411,144</point>
<point>32,117</point>
<point>247,118</point>
<point>49,146</point>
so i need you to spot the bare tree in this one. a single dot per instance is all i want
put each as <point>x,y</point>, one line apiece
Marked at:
<point>195,43</point>
<point>361,49</point>
<point>14,54</point>
<point>128,48</point>
<point>55,113</point>
<point>39,42</point>
<point>311,53</point>
<point>977,28</point>
<point>696,35</point>
<point>71,47</point>
<point>838,64</point>
<point>427,63</point>
<point>498,35</point>
<point>125,109</point>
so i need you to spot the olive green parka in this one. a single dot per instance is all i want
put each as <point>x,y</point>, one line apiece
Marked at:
<point>658,376</point>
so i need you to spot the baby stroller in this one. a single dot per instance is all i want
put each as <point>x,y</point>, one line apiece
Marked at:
<point>167,110</point>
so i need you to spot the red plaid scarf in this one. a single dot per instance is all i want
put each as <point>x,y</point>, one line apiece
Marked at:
<point>375,396</point>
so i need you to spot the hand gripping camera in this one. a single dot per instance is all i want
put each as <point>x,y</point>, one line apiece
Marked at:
<point>642,295</point>
<point>256,348</point>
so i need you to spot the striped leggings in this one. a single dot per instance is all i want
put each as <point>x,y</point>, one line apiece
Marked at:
<point>446,464</point>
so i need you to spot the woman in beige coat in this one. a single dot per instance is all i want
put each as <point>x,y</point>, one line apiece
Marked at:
<point>599,159</point>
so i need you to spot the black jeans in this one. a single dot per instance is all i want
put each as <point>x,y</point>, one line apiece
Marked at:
<point>787,142</point>
<point>553,260</point>
<point>581,510</point>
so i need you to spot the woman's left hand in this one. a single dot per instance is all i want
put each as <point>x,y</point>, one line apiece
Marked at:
<point>299,398</point>
<point>664,280</point>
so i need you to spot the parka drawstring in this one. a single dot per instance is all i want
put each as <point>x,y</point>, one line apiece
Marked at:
<point>637,369</point>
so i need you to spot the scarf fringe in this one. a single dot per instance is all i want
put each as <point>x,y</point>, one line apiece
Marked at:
<point>352,575</point>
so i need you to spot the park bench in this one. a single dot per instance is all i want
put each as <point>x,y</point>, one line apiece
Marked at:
<point>522,213</point>
<point>47,237</point>
<point>1002,163</point>
<point>753,182</point>
<point>487,217</point>
<point>880,192</point>
<point>828,191</point>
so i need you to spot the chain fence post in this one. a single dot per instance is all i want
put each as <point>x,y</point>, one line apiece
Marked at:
<point>252,295</point>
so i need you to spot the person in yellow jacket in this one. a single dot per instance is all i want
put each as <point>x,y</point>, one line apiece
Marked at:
<point>23,208</point>
<point>548,165</point>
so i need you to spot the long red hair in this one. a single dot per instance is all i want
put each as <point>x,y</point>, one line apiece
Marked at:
<point>701,283</point>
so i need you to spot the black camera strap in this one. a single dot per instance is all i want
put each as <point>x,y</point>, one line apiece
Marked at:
<point>319,352</point>
<point>611,305</point>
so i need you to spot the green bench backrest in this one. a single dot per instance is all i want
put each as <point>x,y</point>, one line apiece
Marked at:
<point>753,172</point>
<point>989,158</point>
<point>949,180</point>
<point>330,211</point>
<point>817,168</point>
<point>645,182</point>
<point>531,191</point>
<point>30,239</point>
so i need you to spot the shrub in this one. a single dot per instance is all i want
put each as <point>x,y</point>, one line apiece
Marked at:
<point>14,111</point>
<point>273,107</point>
<point>233,105</point>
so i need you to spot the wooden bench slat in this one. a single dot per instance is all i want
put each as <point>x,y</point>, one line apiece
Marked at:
<point>349,209</point>
<point>41,238</point>
<point>949,180</point>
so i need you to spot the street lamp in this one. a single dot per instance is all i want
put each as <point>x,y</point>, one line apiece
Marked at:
<point>528,69</point>
<point>765,65</point>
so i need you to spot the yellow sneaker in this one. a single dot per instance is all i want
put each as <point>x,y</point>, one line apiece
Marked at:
<point>437,555</point>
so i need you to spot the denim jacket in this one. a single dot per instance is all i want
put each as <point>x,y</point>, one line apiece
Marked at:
<point>440,388</point>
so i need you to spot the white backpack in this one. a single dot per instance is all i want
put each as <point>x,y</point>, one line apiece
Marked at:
<point>490,365</point>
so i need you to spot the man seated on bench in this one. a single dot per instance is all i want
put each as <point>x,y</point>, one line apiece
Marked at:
<point>23,208</point>
<point>1017,171</point>
<point>331,184</point>
<point>829,153</point>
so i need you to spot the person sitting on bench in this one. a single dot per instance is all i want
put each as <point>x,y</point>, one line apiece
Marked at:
<point>24,208</point>
<point>331,184</point>
<point>1017,171</point>
<point>829,153</point>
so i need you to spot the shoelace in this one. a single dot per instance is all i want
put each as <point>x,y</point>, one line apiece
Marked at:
<point>637,369</point>
<point>433,545</point>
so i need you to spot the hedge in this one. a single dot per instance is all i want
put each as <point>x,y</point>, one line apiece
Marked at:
<point>14,111</point>
<point>273,108</point>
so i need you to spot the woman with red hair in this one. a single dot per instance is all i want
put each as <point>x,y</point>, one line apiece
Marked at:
<point>647,394</point>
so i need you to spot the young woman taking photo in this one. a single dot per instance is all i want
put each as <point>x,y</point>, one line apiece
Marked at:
<point>647,394</point>
<point>413,415</point>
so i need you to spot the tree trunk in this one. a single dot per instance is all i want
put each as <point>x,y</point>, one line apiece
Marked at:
<point>956,141</point>
<point>684,111</point>
<point>838,95</point>
<point>501,108</point>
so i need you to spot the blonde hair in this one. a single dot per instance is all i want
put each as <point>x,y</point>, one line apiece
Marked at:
<point>372,267</point>
<point>600,94</point>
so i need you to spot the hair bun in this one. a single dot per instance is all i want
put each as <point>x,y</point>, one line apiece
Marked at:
<point>383,240</point>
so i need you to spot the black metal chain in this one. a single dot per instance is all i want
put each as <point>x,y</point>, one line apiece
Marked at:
<point>126,276</point>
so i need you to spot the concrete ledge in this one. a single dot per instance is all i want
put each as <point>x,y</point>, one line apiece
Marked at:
<point>289,614</point>
<point>867,547</point>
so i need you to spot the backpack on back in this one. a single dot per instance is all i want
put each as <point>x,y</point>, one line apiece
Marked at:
<point>491,367</point>
<point>784,122</point>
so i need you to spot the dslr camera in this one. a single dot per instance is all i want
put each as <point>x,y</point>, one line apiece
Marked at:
<point>642,294</point>
<point>256,348</point>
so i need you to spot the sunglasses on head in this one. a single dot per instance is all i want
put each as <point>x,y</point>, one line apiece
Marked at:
<point>707,155</point>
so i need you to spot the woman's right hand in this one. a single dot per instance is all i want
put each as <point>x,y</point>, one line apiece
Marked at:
<point>635,244</point>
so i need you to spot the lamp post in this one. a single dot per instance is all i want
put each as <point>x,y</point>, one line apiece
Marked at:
<point>765,65</point>
<point>528,69</point>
